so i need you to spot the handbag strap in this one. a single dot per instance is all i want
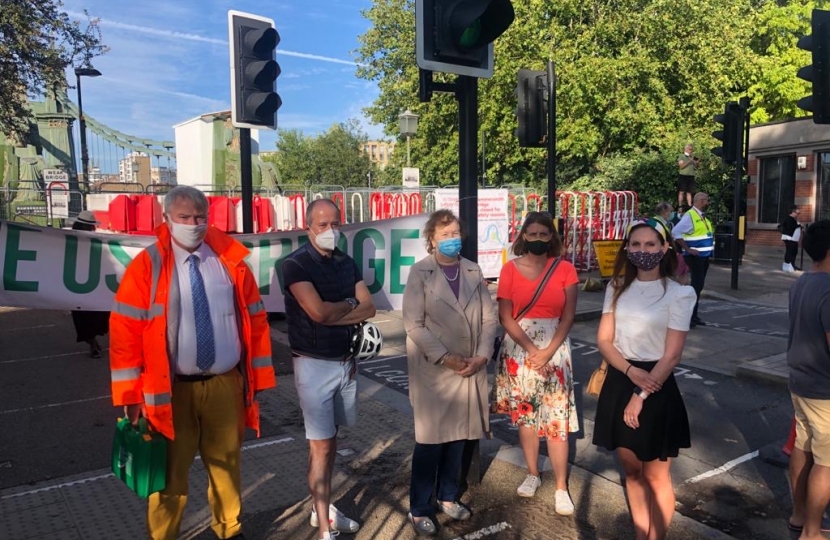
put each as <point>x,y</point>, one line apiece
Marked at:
<point>539,289</point>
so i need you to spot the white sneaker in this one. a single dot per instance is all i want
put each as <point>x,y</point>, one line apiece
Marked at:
<point>787,267</point>
<point>331,534</point>
<point>529,486</point>
<point>338,521</point>
<point>563,504</point>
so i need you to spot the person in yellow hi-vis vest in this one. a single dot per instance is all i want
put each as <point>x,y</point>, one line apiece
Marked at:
<point>694,234</point>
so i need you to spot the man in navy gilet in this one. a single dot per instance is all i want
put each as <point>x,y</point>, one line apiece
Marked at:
<point>325,297</point>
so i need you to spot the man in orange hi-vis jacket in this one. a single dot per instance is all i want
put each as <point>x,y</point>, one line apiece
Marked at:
<point>190,347</point>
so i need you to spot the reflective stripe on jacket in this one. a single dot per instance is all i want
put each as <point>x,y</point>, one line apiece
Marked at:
<point>144,326</point>
<point>701,237</point>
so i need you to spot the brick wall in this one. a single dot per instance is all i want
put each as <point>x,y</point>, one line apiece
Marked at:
<point>763,238</point>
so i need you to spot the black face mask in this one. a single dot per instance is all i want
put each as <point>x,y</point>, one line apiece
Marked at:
<point>538,247</point>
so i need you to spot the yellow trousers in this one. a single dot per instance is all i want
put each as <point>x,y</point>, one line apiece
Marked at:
<point>208,416</point>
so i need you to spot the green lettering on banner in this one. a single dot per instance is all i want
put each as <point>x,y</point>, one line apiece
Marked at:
<point>13,255</point>
<point>398,260</point>
<point>376,263</point>
<point>70,262</point>
<point>121,256</point>
<point>268,262</point>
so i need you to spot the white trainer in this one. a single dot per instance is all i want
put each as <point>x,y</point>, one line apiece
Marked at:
<point>338,521</point>
<point>563,504</point>
<point>787,267</point>
<point>330,535</point>
<point>529,486</point>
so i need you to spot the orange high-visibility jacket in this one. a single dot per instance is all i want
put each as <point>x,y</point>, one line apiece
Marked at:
<point>141,329</point>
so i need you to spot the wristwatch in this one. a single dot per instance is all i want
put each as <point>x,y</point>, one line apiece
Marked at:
<point>354,302</point>
<point>640,392</point>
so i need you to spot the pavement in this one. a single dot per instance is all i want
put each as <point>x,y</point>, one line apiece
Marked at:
<point>372,467</point>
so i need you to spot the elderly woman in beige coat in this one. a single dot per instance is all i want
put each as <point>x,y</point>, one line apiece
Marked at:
<point>451,322</point>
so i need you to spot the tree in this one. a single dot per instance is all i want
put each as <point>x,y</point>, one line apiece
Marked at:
<point>335,157</point>
<point>38,42</point>
<point>626,84</point>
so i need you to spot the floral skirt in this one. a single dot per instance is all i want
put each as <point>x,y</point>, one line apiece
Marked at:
<point>540,399</point>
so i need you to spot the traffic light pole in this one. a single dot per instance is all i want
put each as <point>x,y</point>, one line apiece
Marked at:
<point>552,139</point>
<point>246,180</point>
<point>738,191</point>
<point>466,92</point>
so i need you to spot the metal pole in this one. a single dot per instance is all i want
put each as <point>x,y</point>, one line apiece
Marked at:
<point>552,138</point>
<point>737,191</point>
<point>82,130</point>
<point>483,162</point>
<point>466,93</point>
<point>407,150</point>
<point>247,180</point>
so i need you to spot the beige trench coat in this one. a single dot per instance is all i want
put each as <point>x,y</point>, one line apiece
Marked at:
<point>446,406</point>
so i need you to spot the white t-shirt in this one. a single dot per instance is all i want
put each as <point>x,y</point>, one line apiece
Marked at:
<point>644,313</point>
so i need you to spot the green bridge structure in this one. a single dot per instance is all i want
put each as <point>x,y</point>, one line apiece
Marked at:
<point>52,151</point>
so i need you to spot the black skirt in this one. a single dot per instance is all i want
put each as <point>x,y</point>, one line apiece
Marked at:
<point>664,425</point>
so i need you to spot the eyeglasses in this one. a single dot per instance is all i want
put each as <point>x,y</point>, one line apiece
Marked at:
<point>539,235</point>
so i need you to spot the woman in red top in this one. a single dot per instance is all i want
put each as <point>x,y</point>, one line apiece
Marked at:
<point>534,380</point>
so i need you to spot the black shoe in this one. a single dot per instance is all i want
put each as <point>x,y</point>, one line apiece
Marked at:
<point>697,322</point>
<point>797,268</point>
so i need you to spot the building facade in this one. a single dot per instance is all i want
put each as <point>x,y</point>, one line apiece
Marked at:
<point>789,163</point>
<point>135,168</point>
<point>379,152</point>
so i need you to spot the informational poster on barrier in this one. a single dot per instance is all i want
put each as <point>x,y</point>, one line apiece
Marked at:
<point>606,251</point>
<point>58,194</point>
<point>493,225</point>
<point>50,268</point>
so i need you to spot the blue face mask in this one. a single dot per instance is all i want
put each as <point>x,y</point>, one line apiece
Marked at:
<point>450,247</point>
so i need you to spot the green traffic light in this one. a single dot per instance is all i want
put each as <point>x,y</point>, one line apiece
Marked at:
<point>471,35</point>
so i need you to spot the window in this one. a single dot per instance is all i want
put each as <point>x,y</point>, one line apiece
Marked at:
<point>777,188</point>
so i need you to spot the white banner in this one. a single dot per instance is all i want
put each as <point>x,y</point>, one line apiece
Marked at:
<point>64,269</point>
<point>493,225</point>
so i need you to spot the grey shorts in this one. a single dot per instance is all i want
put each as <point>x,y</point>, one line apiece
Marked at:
<point>328,395</point>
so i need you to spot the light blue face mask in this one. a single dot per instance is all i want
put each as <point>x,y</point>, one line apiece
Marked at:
<point>450,247</point>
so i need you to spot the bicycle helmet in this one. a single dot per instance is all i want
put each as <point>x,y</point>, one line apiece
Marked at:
<point>367,342</point>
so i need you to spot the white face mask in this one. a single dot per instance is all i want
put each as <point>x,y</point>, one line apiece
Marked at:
<point>327,240</point>
<point>188,236</point>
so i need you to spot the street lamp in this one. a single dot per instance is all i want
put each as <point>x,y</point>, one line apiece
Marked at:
<point>84,72</point>
<point>408,125</point>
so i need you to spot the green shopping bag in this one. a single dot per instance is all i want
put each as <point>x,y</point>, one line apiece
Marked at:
<point>139,457</point>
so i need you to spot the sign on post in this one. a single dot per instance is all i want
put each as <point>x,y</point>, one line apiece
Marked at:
<point>55,175</point>
<point>58,196</point>
<point>411,177</point>
<point>606,251</point>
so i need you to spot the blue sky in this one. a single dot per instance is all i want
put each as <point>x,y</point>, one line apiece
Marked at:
<point>169,62</point>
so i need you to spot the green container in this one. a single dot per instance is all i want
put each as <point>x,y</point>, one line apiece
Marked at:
<point>139,457</point>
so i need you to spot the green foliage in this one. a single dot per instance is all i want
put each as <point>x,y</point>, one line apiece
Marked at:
<point>335,157</point>
<point>38,42</point>
<point>636,80</point>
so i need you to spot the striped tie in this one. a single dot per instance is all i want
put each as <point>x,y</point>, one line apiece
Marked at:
<point>205,347</point>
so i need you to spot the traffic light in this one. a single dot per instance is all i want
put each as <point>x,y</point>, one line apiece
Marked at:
<point>456,36</point>
<point>819,72</point>
<point>254,70</point>
<point>532,93</point>
<point>732,126</point>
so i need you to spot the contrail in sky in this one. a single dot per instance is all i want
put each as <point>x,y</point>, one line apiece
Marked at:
<point>195,37</point>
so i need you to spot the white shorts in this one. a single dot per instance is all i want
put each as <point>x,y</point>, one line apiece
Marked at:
<point>328,395</point>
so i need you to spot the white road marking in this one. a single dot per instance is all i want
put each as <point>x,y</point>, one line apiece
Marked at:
<point>109,475</point>
<point>16,360</point>
<point>28,409</point>
<point>26,328</point>
<point>723,468</point>
<point>486,531</point>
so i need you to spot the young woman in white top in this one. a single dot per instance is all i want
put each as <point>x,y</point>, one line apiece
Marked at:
<point>640,412</point>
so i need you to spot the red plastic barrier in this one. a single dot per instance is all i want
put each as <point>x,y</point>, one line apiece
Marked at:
<point>263,215</point>
<point>337,198</point>
<point>415,204</point>
<point>148,213</point>
<point>222,214</point>
<point>122,213</point>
